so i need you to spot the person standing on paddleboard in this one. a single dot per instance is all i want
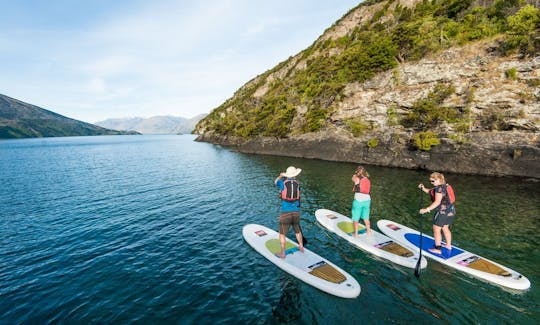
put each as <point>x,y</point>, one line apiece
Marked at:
<point>362,200</point>
<point>289,193</point>
<point>442,201</point>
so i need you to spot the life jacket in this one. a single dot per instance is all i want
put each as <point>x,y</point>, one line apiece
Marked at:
<point>291,190</point>
<point>363,186</point>
<point>449,198</point>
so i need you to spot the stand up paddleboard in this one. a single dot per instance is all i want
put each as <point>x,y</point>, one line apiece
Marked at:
<point>376,243</point>
<point>457,258</point>
<point>306,266</point>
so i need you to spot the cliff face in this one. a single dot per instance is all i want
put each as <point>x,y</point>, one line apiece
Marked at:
<point>464,109</point>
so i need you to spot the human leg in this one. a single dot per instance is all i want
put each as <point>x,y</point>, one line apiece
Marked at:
<point>437,237</point>
<point>284,224</point>
<point>282,244</point>
<point>355,229</point>
<point>300,242</point>
<point>295,220</point>
<point>447,236</point>
<point>368,226</point>
<point>365,206</point>
<point>355,216</point>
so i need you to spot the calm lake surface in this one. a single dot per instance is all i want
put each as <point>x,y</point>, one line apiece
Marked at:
<point>148,229</point>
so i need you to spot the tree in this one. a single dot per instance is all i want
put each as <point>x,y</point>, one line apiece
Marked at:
<point>524,29</point>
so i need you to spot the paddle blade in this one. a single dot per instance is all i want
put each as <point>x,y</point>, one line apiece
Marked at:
<point>417,268</point>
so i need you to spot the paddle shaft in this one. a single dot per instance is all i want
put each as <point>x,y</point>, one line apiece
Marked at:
<point>417,268</point>
<point>304,240</point>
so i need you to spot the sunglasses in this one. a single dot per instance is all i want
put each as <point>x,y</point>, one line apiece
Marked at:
<point>432,180</point>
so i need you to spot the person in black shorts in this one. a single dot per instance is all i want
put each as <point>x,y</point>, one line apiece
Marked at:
<point>442,201</point>
<point>289,190</point>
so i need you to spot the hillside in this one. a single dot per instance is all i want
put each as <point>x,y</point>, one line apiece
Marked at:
<point>22,120</point>
<point>438,85</point>
<point>153,125</point>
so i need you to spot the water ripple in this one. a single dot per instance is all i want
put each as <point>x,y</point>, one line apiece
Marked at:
<point>147,229</point>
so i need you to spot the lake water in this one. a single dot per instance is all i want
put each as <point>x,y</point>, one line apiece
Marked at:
<point>148,229</point>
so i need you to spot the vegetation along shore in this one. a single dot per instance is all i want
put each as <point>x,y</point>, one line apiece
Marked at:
<point>441,85</point>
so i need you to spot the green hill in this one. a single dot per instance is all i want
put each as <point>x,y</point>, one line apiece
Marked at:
<point>390,33</point>
<point>447,85</point>
<point>22,120</point>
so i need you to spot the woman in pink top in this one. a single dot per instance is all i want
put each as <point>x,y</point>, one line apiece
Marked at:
<point>362,200</point>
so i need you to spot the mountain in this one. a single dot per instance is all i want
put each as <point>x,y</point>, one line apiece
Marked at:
<point>22,120</point>
<point>439,85</point>
<point>153,125</point>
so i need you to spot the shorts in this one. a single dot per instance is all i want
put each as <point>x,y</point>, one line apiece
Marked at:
<point>360,209</point>
<point>287,219</point>
<point>442,219</point>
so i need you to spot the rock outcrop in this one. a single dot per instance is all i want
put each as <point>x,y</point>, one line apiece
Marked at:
<point>497,96</point>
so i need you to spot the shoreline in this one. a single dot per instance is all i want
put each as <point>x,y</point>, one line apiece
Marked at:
<point>488,154</point>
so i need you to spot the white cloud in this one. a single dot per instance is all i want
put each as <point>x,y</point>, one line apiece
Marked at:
<point>96,85</point>
<point>178,58</point>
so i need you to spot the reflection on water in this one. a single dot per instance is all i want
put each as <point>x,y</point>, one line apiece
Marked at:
<point>288,309</point>
<point>148,229</point>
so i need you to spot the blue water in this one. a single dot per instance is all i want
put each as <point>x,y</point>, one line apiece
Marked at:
<point>148,229</point>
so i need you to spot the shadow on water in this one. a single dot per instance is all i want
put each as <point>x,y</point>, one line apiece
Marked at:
<point>289,306</point>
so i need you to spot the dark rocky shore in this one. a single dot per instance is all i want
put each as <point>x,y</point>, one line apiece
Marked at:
<point>492,154</point>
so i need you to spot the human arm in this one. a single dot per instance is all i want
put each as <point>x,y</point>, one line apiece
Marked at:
<point>281,175</point>
<point>434,204</point>
<point>423,188</point>
<point>355,179</point>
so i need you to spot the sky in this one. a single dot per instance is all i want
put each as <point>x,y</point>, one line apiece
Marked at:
<point>97,59</point>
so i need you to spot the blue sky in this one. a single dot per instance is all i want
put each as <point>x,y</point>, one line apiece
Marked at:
<point>98,59</point>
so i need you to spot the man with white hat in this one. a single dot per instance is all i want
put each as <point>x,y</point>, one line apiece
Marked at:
<point>289,190</point>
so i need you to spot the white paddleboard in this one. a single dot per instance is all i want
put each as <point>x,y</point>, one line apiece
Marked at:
<point>306,266</point>
<point>457,258</point>
<point>376,243</point>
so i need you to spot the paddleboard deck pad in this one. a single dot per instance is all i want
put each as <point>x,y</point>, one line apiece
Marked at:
<point>306,266</point>
<point>375,243</point>
<point>456,258</point>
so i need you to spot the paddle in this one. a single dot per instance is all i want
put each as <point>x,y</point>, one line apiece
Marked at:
<point>304,240</point>
<point>417,268</point>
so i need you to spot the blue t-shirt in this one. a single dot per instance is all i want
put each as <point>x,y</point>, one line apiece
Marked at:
<point>287,206</point>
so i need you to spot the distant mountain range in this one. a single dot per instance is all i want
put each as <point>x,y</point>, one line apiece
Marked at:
<point>22,120</point>
<point>153,125</point>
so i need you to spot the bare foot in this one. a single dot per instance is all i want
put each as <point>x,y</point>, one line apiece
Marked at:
<point>434,250</point>
<point>301,248</point>
<point>281,255</point>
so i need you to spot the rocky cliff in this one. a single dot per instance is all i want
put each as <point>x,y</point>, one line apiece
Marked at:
<point>464,108</point>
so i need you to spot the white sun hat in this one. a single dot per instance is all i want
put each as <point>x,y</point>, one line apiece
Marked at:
<point>292,171</point>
